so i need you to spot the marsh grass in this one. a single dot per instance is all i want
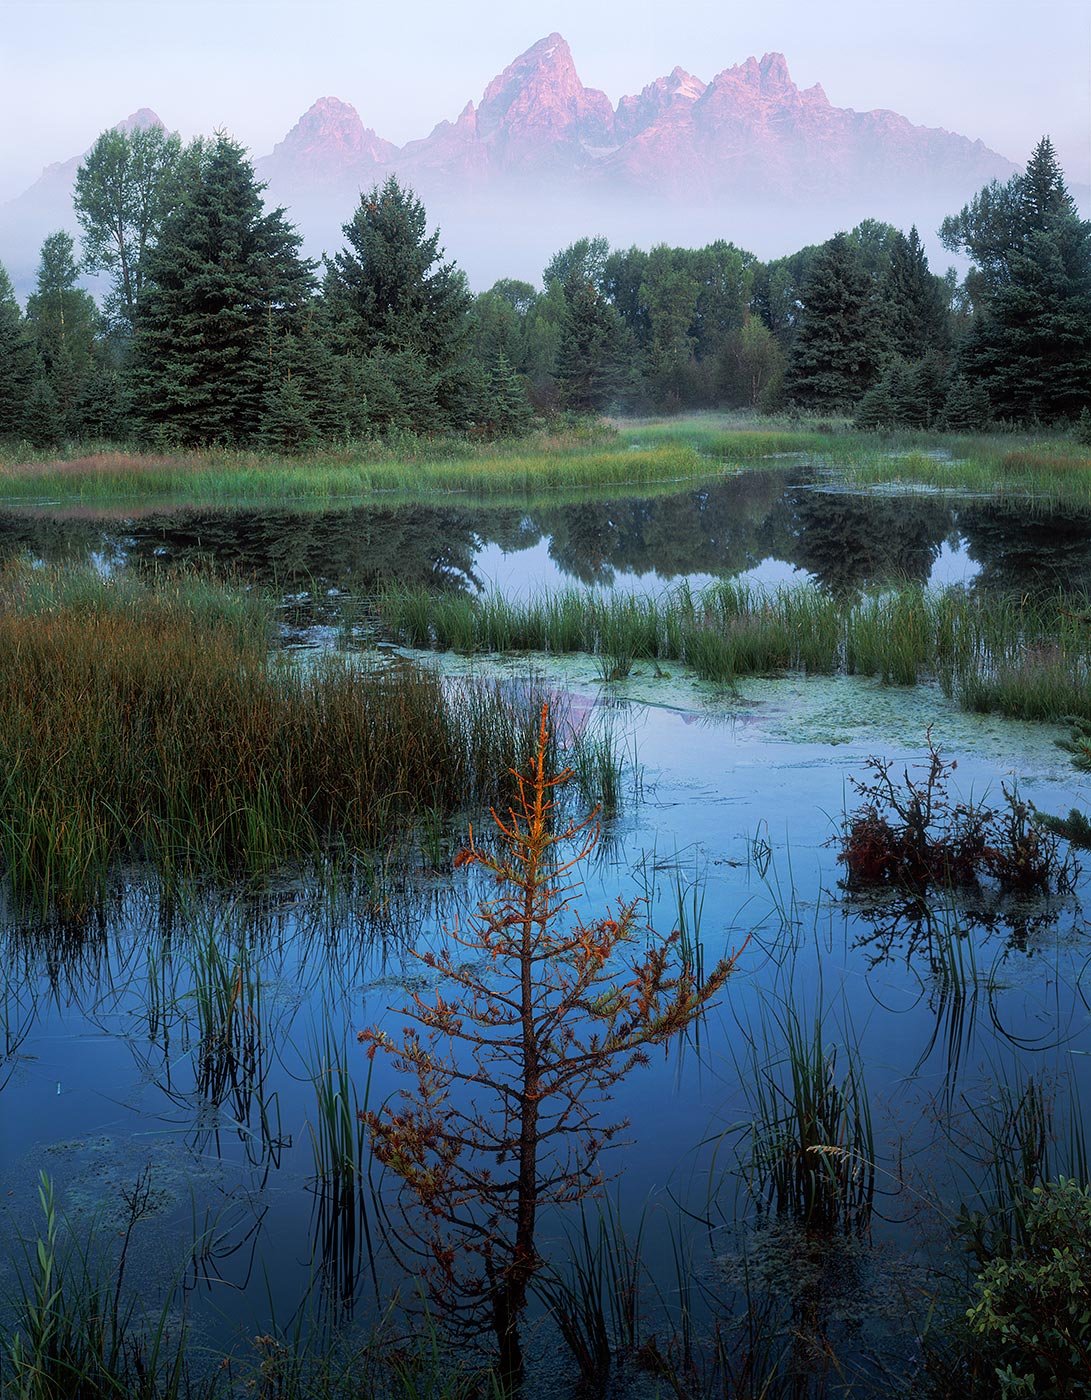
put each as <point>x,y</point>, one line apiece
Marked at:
<point>77,1334</point>
<point>812,1152</point>
<point>1028,658</point>
<point>547,462</point>
<point>149,722</point>
<point>630,453</point>
<point>595,1299</point>
<point>338,1140</point>
<point>1019,1140</point>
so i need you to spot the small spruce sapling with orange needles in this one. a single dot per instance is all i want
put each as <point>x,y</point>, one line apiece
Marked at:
<point>544,1015</point>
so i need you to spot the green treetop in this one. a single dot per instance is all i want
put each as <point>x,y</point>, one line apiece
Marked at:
<point>124,190</point>
<point>224,283</point>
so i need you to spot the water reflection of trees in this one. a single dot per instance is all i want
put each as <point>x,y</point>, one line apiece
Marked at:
<point>846,540</point>
<point>1023,550</point>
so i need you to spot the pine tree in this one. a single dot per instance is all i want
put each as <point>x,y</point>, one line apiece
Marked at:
<point>930,389</point>
<point>305,393</point>
<point>287,426</point>
<point>16,361</point>
<point>876,410</point>
<point>967,408</point>
<point>593,369</point>
<point>64,324</point>
<point>506,411</point>
<point>42,421</point>
<point>1043,195</point>
<point>835,352</point>
<point>389,293</point>
<point>1030,346</point>
<point>1032,349</point>
<point>224,282</point>
<point>916,317</point>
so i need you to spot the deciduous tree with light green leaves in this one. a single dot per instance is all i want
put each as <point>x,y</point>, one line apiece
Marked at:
<point>124,189</point>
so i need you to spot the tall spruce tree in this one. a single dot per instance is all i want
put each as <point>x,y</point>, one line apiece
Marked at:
<point>64,323</point>
<point>389,293</point>
<point>224,283</point>
<point>1030,349</point>
<point>836,350</point>
<point>594,357</point>
<point>16,360</point>
<point>916,314</point>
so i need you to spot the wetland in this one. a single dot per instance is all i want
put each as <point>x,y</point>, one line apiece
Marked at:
<point>243,745</point>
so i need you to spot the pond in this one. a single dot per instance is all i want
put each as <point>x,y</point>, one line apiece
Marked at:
<point>732,805</point>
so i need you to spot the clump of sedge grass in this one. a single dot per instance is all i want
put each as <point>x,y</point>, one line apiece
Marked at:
<point>1027,658</point>
<point>151,722</point>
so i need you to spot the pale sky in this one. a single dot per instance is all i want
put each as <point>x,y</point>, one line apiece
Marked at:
<point>1002,70</point>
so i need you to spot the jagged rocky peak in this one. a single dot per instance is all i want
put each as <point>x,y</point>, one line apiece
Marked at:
<point>541,92</point>
<point>677,91</point>
<point>328,123</point>
<point>331,134</point>
<point>143,119</point>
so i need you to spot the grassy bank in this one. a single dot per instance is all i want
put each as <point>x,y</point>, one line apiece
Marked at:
<point>1030,659</point>
<point>544,463</point>
<point>1042,464</point>
<point>632,455</point>
<point>148,722</point>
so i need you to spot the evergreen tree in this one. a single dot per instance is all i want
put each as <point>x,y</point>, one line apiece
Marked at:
<point>836,350</point>
<point>929,390</point>
<point>222,285</point>
<point>42,419</point>
<point>390,293</point>
<point>594,356</point>
<point>506,411</point>
<point>967,408</point>
<point>63,321</point>
<point>1031,349</point>
<point>876,410</point>
<point>1043,195</point>
<point>287,425</point>
<point>16,361</point>
<point>916,314</point>
<point>401,391</point>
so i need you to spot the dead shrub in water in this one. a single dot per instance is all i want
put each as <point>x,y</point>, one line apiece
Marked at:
<point>911,836</point>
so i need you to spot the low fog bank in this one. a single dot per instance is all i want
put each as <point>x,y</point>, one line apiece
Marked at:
<point>515,234</point>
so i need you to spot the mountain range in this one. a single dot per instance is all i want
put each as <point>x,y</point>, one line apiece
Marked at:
<point>749,132</point>
<point>542,159</point>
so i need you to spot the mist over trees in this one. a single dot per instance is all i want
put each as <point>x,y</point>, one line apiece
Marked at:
<point>214,328</point>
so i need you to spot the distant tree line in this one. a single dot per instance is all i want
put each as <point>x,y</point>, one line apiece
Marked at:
<point>215,329</point>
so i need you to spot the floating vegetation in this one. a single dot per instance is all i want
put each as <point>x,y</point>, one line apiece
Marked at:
<point>910,836</point>
<point>1025,658</point>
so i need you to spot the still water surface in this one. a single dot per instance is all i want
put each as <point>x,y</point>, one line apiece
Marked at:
<point>739,794</point>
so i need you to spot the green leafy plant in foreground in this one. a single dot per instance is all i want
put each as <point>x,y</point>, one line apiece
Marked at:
<point>1033,1314</point>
